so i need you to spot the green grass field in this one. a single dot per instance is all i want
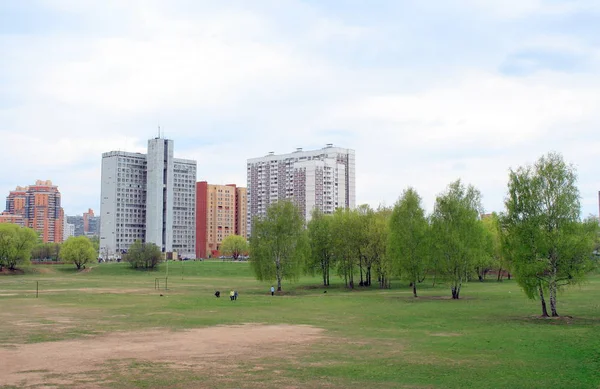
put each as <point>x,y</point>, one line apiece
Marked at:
<point>491,338</point>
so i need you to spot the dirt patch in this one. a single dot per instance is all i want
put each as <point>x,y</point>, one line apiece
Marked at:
<point>30,364</point>
<point>8,272</point>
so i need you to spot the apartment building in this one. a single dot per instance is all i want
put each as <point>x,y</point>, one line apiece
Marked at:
<point>323,179</point>
<point>37,206</point>
<point>220,212</point>
<point>148,197</point>
<point>86,224</point>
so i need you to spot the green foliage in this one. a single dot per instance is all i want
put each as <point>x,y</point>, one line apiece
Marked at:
<point>346,243</point>
<point>143,255</point>
<point>46,251</point>
<point>549,246</point>
<point>78,250</point>
<point>458,234</point>
<point>234,246</point>
<point>409,238</point>
<point>15,245</point>
<point>279,244</point>
<point>320,236</point>
<point>376,250</point>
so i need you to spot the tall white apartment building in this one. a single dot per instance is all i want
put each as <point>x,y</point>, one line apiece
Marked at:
<point>150,197</point>
<point>323,179</point>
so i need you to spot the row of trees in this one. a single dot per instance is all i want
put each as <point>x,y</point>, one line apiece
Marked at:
<point>540,238</point>
<point>19,244</point>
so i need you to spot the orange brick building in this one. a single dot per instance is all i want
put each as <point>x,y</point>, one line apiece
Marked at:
<point>39,207</point>
<point>220,212</point>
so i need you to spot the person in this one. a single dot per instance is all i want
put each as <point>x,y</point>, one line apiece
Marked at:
<point>231,295</point>
<point>272,290</point>
<point>217,294</point>
<point>235,294</point>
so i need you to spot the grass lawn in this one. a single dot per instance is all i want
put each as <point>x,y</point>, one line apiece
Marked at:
<point>187,338</point>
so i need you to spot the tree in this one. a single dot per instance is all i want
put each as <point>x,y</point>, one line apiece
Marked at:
<point>346,243</point>
<point>143,255</point>
<point>234,246</point>
<point>496,248</point>
<point>377,248</point>
<point>279,244</point>
<point>78,250</point>
<point>549,246</point>
<point>320,238</point>
<point>457,233</point>
<point>408,239</point>
<point>16,243</point>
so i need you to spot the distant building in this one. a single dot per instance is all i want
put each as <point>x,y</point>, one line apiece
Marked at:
<point>6,217</point>
<point>150,197</point>
<point>323,179</point>
<point>68,229</point>
<point>39,207</point>
<point>220,212</point>
<point>86,224</point>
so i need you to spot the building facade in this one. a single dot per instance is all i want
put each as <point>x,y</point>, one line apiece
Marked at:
<point>323,179</point>
<point>37,206</point>
<point>148,197</point>
<point>85,225</point>
<point>220,212</point>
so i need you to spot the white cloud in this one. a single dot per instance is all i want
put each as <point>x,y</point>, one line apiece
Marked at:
<point>231,83</point>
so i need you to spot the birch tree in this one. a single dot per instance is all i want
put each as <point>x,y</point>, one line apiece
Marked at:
<point>550,247</point>
<point>458,234</point>
<point>321,257</point>
<point>279,244</point>
<point>408,238</point>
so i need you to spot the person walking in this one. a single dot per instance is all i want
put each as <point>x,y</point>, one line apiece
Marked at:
<point>272,290</point>
<point>231,295</point>
<point>235,294</point>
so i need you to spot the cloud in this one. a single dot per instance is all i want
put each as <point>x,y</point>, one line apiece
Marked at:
<point>424,94</point>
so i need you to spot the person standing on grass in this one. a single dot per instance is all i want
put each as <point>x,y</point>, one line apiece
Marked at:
<point>235,294</point>
<point>272,290</point>
<point>231,295</point>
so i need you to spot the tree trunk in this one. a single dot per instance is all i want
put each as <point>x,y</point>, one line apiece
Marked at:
<point>278,273</point>
<point>499,275</point>
<point>360,265</point>
<point>552,288</point>
<point>414,289</point>
<point>543,301</point>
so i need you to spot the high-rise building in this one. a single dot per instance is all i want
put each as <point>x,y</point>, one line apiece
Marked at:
<point>39,207</point>
<point>68,229</point>
<point>220,212</point>
<point>323,179</point>
<point>86,224</point>
<point>148,197</point>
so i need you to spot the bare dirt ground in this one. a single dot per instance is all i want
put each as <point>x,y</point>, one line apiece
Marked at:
<point>31,364</point>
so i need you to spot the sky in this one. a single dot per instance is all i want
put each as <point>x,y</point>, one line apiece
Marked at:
<point>425,92</point>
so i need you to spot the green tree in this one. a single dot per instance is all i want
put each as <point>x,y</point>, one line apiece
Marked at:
<point>143,255</point>
<point>16,243</point>
<point>408,239</point>
<point>347,241</point>
<point>320,238</point>
<point>279,244</point>
<point>457,233</point>
<point>234,246</point>
<point>496,248</point>
<point>95,239</point>
<point>377,248</point>
<point>78,250</point>
<point>550,247</point>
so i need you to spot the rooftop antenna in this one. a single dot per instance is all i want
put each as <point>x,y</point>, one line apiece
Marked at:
<point>158,132</point>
